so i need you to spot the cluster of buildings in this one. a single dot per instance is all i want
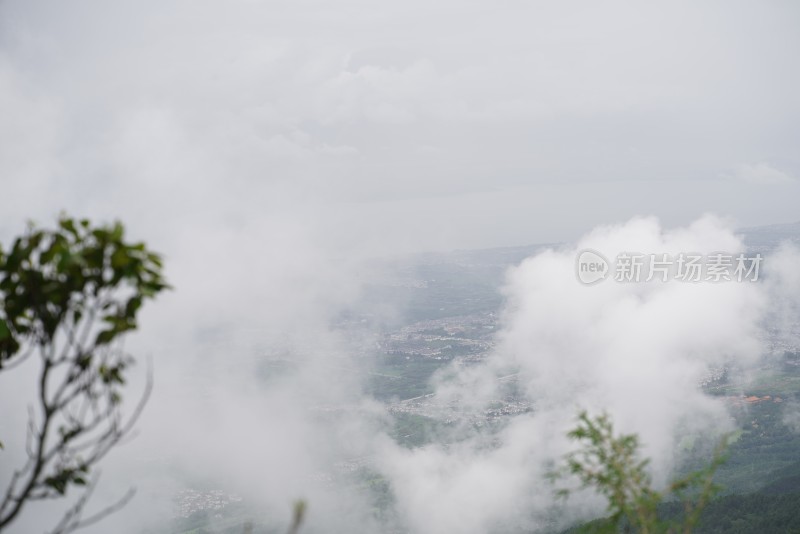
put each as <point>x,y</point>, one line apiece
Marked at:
<point>784,339</point>
<point>189,501</point>
<point>451,412</point>
<point>464,336</point>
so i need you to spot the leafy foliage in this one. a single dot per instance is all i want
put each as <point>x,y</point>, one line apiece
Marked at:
<point>69,295</point>
<point>610,464</point>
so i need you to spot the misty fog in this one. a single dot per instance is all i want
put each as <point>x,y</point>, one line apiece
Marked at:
<point>318,177</point>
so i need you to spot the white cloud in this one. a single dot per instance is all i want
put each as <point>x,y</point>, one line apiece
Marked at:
<point>637,351</point>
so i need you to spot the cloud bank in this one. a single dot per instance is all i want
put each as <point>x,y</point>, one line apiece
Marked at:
<point>638,351</point>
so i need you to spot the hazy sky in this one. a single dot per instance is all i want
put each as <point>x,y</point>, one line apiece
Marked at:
<point>445,125</point>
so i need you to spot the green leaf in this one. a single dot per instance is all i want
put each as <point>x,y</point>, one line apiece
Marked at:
<point>117,232</point>
<point>133,305</point>
<point>120,259</point>
<point>105,337</point>
<point>69,226</point>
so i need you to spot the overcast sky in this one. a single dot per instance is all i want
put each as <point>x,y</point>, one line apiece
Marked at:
<point>404,125</point>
